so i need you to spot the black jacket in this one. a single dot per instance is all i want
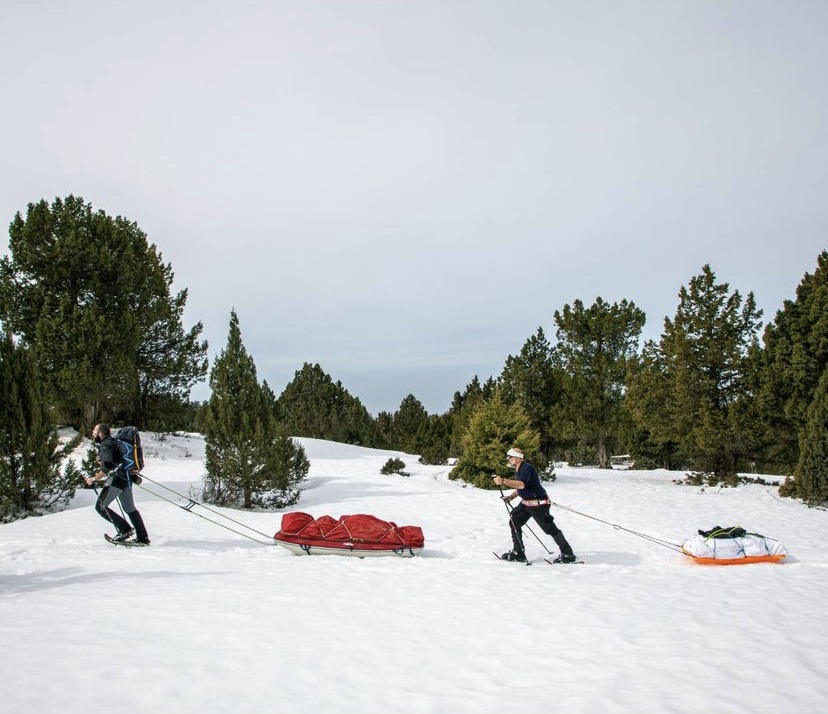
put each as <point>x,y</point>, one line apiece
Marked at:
<point>532,487</point>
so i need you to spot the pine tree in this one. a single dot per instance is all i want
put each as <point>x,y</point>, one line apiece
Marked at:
<point>794,357</point>
<point>433,439</point>
<point>250,460</point>
<point>593,349</point>
<point>315,406</point>
<point>494,427</point>
<point>463,406</point>
<point>385,430</point>
<point>811,475</point>
<point>31,479</point>
<point>409,420</point>
<point>532,380</point>
<point>690,388</point>
<point>647,402</point>
<point>92,299</point>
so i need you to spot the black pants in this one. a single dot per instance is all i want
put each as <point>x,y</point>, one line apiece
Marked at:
<point>520,517</point>
<point>107,496</point>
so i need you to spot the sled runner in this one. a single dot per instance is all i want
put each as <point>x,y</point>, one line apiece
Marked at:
<point>360,535</point>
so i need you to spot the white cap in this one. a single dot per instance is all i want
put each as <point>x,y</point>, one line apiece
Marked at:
<point>517,453</point>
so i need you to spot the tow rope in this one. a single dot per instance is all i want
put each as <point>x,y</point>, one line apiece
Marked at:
<point>657,541</point>
<point>192,503</point>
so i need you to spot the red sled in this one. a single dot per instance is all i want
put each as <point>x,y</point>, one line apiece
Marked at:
<point>360,535</point>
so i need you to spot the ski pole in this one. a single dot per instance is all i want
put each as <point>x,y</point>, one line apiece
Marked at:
<point>505,500</point>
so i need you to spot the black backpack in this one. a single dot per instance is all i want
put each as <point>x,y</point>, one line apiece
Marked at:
<point>132,455</point>
<point>729,532</point>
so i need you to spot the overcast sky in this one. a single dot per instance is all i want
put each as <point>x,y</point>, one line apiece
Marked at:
<point>403,192</point>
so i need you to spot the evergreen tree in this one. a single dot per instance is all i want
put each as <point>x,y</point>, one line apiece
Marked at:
<point>413,430</point>
<point>532,380</point>
<point>31,479</point>
<point>169,360</point>
<point>394,466</point>
<point>385,430</point>
<point>811,476</point>
<point>494,427</point>
<point>92,299</point>
<point>409,420</point>
<point>794,357</point>
<point>594,345</point>
<point>434,439</point>
<point>463,406</point>
<point>690,388</point>
<point>315,406</point>
<point>249,458</point>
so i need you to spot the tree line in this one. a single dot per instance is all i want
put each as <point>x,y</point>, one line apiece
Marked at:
<point>91,331</point>
<point>714,394</point>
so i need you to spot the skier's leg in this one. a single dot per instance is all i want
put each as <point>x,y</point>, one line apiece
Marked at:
<point>107,496</point>
<point>518,519</point>
<point>128,504</point>
<point>547,523</point>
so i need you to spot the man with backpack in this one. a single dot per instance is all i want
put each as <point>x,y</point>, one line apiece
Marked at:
<point>117,482</point>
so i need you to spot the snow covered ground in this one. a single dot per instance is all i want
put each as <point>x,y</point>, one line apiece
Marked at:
<point>206,620</point>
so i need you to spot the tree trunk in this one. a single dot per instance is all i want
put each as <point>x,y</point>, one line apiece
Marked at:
<point>89,417</point>
<point>603,456</point>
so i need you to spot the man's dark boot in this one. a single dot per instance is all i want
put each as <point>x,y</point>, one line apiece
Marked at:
<point>515,556</point>
<point>140,530</point>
